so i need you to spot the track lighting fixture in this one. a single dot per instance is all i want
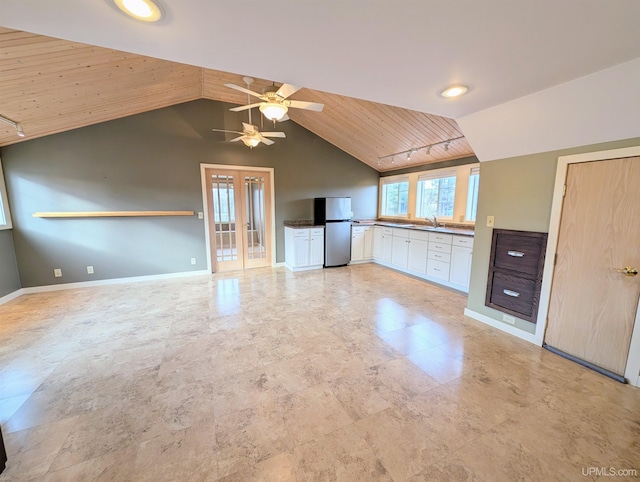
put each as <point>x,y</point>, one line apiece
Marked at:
<point>415,150</point>
<point>13,124</point>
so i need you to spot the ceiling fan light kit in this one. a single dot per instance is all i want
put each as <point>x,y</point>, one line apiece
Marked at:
<point>273,111</point>
<point>145,10</point>
<point>250,142</point>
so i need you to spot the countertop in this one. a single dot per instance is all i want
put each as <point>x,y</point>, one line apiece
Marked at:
<point>308,223</point>
<point>420,227</point>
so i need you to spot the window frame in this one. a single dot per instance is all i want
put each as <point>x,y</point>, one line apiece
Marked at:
<point>474,171</point>
<point>432,176</point>
<point>5,212</point>
<point>394,180</point>
<point>462,174</point>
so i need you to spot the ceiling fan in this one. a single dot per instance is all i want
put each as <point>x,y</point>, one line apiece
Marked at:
<point>250,134</point>
<point>274,103</point>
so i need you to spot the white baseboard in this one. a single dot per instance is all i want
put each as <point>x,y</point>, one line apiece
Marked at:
<point>11,296</point>
<point>512,330</point>
<point>106,282</point>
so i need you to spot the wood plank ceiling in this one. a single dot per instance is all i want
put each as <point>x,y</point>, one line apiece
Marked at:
<point>50,85</point>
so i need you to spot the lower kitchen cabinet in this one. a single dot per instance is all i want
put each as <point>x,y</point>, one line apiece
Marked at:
<point>400,248</point>
<point>382,244</point>
<point>362,244</point>
<point>304,248</point>
<point>440,257</point>
<point>460,266</point>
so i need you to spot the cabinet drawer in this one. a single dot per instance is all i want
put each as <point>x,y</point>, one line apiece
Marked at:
<point>513,293</point>
<point>466,241</point>
<point>440,238</point>
<point>400,233</point>
<point>522,254</point>
<point>357,229</point>
<point>300,233</point>
<point>440,247</point>
<point>438,269</point>
<point>421,235</point>
<point>438,256</point>
<point>317,232</point>
<point>388,231</point>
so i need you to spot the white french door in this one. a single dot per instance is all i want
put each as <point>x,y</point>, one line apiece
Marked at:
<point>239,217</point>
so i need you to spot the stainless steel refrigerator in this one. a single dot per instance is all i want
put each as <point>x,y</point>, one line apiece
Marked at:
<point>335,214</point>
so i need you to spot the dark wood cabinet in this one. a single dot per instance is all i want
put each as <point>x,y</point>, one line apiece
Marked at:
<point>515,272</point>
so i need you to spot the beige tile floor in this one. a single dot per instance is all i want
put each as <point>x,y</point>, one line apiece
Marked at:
<point>347,374</point>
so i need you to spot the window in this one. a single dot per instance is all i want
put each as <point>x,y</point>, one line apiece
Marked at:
<point>395,197</point>
<point>436,195</point>
<point>5,216</point>
<point>472,194</point>
<point>449,193</point>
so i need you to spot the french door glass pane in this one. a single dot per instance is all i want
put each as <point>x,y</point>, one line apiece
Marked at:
<point>224,216</point>
<point>255,216</point>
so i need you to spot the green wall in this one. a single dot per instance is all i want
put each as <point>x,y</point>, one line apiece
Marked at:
<point>518,192</point>
<point>151,161</point>
<point>9,278</point>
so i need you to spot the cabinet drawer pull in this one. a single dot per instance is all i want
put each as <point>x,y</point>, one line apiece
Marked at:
<point>515,254</point>
<point>514,294</point>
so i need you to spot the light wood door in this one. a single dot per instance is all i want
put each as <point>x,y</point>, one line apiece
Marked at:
<point>240,224</point>
<point>592,307</point>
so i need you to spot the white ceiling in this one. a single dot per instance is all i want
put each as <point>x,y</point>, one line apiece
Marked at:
<point>400,53</point>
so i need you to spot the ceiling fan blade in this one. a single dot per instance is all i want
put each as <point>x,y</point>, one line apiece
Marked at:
<point>266,141</point>
<point>286,90</point>
<point>245,107</point>
<point>222,130</point>
<point>273,134</point>
<point>236,139</point>
<point>246,91</point>
<point>301,104</point>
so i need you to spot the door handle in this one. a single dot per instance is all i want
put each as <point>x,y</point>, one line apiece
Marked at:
<point>627,271</point>
<point>513,294</point>
<point>515,254</point>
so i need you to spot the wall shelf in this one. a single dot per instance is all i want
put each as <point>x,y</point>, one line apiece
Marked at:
<point>110,214</point>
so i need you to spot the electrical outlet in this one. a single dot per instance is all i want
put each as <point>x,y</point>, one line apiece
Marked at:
<point>200,215</point>
<point>89,269</point>
<point>57,273</point>
<point>490,221</point>
<point>509,319</point>
<point>193,260</point>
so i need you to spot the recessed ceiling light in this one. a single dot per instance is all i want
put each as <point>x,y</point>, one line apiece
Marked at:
<point>454,91</point>
<point>145,10</point>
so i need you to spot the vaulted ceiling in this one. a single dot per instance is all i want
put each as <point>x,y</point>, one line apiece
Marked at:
<point>51,85</point>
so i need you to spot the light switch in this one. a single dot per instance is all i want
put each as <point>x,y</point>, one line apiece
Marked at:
<point>200,215</point>
<point>490,221</point>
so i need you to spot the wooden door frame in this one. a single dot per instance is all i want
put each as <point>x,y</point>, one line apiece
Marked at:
<point>632,372</point>
<point>205,203</point>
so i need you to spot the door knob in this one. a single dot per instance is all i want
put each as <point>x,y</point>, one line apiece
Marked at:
<point>627,271</point>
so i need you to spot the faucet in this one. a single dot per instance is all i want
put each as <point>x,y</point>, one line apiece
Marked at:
<point>433,221</point>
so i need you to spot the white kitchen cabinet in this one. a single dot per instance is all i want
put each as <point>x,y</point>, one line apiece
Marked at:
<point>368,243</point>
<point>316,247</point>
<point>382,244</point>
<point>377,243</point>
<point>400,248</point>
<point>418,248</point>
<point>361,243</point>
<point>461,254</point>
<point>439,256</point>
<point>304,248</point>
